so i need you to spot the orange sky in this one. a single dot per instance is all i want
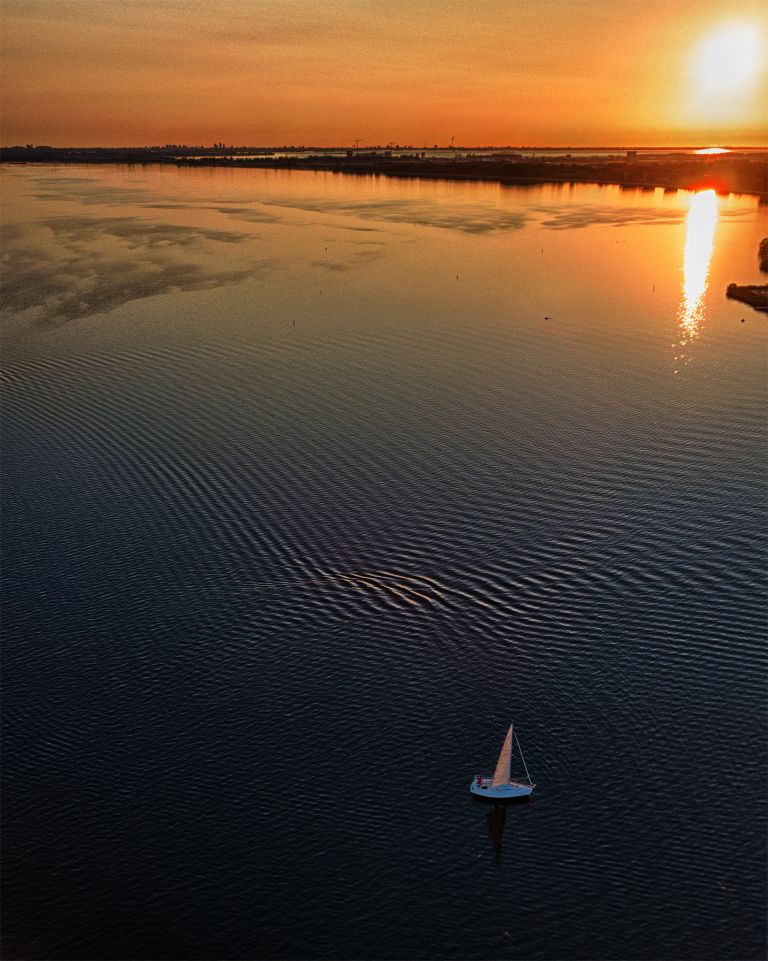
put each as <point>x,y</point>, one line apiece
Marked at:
<point>325,72</point>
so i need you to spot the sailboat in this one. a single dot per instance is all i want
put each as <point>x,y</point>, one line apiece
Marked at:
<point>500,787</point>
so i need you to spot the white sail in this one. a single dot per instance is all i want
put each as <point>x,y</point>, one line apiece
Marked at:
<point>501,774</point>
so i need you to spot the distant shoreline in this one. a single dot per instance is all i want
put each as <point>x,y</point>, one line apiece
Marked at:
<point>745,172</point>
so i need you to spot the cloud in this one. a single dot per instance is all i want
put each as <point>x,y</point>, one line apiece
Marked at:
<point>559,217</point>
<point>135,232</point>
<point>69,267</point>
<point>589,215</point>
<point>468,218</point>
<point>353,258</point>
<point>86,191</point>
<point>249,214</point>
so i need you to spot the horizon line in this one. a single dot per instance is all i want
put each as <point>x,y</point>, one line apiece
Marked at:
<point>388,146</point>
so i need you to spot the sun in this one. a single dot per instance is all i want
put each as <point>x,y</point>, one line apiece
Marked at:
<point>728,61</point>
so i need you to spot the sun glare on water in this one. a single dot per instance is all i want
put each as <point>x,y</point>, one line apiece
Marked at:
<point>699,241</point>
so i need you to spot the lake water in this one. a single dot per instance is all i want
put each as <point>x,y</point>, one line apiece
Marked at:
<point>312,484</point>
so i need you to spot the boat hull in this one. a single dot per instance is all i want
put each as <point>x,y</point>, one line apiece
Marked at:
<point>506,792</point>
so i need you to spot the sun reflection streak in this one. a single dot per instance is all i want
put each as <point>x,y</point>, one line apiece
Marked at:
<point>699,239</point>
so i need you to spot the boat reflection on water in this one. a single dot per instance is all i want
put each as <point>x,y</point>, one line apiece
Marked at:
<point>496,819</point>
<point>699,241</point>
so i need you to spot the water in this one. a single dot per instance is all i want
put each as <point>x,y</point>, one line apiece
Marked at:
<point>311,485</point>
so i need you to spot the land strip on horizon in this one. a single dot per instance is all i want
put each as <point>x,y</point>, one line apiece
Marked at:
<point>737,171</point>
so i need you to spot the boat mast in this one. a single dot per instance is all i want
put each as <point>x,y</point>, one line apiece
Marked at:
<point>523,760</point>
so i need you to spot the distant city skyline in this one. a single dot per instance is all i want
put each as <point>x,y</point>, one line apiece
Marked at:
<point>327,73</point>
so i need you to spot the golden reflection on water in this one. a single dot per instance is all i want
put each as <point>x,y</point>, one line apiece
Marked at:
<point>699,240</point>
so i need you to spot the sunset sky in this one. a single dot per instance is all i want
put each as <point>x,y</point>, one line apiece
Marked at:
<point>326,72</point>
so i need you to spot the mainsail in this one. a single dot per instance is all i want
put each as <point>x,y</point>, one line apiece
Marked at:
<point>501,774</point>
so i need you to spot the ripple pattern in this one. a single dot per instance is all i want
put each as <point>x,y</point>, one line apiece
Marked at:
<point>273,593</point>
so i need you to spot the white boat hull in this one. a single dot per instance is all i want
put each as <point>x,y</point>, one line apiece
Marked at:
<point>505,792</point>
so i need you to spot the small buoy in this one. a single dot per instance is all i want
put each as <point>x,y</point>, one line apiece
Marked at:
<point>547,317</point>
<point>742,320</point>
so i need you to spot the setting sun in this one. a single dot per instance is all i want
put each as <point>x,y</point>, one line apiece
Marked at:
<point>726,77</point>
<point>728,60</point>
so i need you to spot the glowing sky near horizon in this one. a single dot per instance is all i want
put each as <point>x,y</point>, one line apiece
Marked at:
<point>324,72</point>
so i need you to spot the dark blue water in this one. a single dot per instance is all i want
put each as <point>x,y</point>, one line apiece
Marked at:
<point>282,563</point>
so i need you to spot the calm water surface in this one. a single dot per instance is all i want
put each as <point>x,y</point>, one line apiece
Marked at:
<point>312,484</point>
